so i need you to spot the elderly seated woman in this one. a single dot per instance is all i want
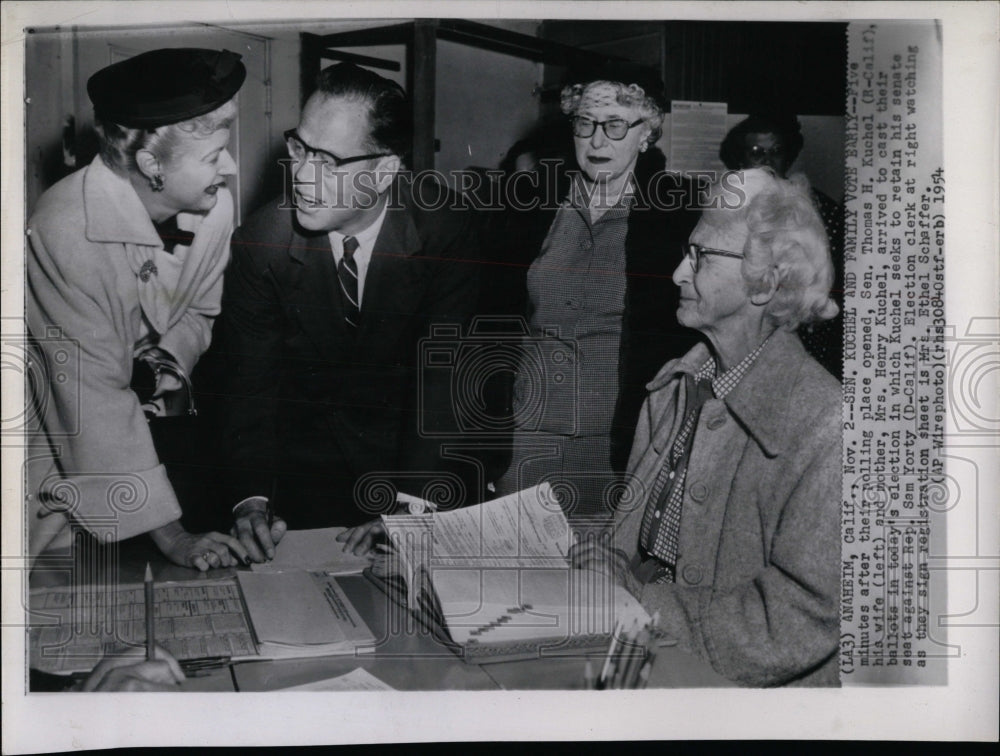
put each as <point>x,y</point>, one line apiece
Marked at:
<point>733,533</point>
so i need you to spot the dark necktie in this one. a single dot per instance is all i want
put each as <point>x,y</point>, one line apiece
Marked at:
<point>171,235</point>
<point>347,272</point>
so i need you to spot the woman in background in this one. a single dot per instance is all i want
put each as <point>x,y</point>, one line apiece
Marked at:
<point>601,310</point>
<point>125,259</point>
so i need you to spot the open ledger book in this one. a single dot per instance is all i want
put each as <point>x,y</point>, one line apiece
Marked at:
<point>495,580</point>
<point>252,616</point>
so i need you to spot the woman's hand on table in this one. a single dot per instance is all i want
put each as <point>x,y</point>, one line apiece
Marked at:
<point>202,551</point>
<point>362,539</point>
<point>129,671</point>
<point>258,536</point>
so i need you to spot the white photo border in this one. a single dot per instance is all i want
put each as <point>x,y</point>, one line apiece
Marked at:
<point>964,709</point>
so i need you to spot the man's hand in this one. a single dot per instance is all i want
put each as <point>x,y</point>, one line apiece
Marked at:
<point>129,671</point>
<point>361,540</point>
<point>257,537</point>
<point>200,550</point>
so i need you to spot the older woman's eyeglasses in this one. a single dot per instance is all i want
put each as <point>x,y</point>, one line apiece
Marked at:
<point>614,128</point>
<point>299,150</point>
<point>694,252</point>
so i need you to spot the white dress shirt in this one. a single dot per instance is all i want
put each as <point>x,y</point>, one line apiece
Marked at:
<point>363,254</point>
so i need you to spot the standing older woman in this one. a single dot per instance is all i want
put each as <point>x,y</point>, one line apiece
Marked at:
<point>599,302</point>
<point>125,257</point>
<point>735,538</point>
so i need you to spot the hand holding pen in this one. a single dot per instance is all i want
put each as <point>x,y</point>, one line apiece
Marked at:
<point>257,526</point>
<point>135,668</point>
<point>127,670</point>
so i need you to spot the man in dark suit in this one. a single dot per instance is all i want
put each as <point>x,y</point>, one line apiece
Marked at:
<point>326,299</point>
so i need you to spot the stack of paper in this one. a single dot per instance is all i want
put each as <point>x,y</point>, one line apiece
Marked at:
<point>299,614</point>
<point>496,578</point>
<point>316,549</point>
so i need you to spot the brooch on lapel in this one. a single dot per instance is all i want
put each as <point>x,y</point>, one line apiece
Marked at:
<point>148,269</point>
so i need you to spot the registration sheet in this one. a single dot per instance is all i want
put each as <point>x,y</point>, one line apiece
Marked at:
<point>524,529</point>
<point>72,628</point>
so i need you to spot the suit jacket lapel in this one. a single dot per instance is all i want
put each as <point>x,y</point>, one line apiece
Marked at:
<point>389,284</point>
<point>317,300</point>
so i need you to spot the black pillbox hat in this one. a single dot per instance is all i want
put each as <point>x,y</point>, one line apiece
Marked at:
<point>165,86</point>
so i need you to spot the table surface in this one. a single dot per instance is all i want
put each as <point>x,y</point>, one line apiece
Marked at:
<point>405,656</point>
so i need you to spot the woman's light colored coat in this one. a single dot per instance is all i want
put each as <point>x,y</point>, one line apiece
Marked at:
<point>91,299</point>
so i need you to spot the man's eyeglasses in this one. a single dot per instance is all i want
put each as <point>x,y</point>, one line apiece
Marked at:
<point>614,128</point>
<point>694,252</point>
<point>299,150</point>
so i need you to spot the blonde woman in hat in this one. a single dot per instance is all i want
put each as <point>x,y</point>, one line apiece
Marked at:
<point>126,256</point>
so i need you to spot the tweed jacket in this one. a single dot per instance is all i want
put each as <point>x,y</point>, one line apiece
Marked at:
<point>99,284</point>
<point>758,564</point>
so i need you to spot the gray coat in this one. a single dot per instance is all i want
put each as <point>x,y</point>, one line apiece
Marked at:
<point>759,557</point>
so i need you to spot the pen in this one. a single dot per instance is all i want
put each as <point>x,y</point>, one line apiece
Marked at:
<point>205,672</point>
<point>630,678</point>
<point>204,665</point>
<point>150,616</point>
<point>608,669</point>
<point>647,668</point>
<point>651,646</point>
<point>269,512</point>
<point>621,663</point>
<point>644,674</point>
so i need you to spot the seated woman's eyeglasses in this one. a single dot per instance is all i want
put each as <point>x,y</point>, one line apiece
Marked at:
<point>299,150</point>
<point>694,252</point>
<point>614,128</point>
